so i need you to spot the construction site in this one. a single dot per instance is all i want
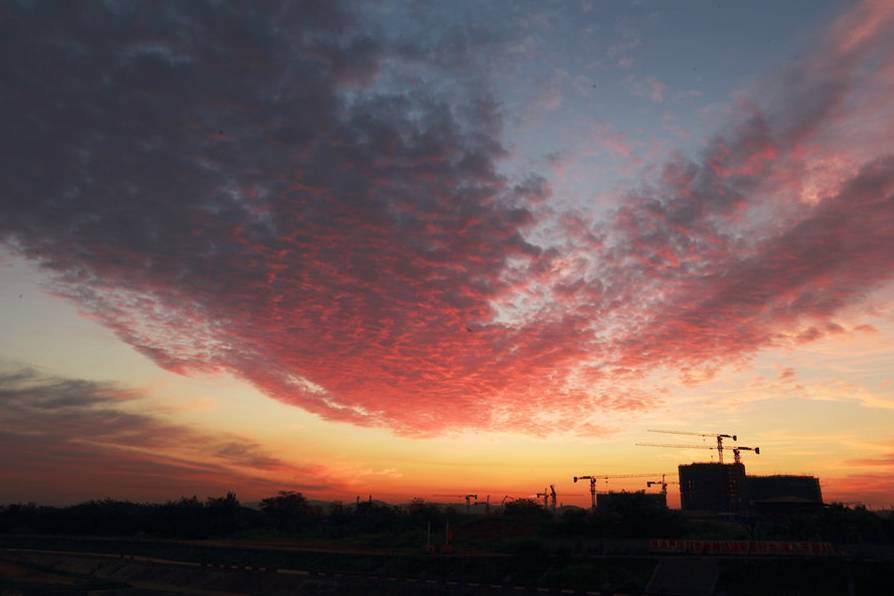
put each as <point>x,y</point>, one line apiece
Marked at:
<point>725,488</point>
<point>719,488</point>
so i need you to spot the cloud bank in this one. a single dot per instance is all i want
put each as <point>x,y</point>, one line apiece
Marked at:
<point>76,439</point>
<point>284,194</point>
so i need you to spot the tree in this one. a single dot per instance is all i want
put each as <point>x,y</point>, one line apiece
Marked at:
<point>289,511</point>
<point>223,514</point>
<point>525,509</point>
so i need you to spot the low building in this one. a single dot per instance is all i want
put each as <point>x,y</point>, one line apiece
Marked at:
<point>614,501</point>
<point>783,493</point>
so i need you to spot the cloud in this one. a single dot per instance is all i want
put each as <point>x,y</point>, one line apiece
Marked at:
<point>879,460</point>
<point>226,190</point>
<point>873,490</point>
<point>549,99</point>
<point>613,141</point>
<point>265,191</point>
<point>747,299</point>
<point>883,461</point>
<point>73,439</point>
<point>620,53</point>
<point>648,87</point>
<point>719,257</point>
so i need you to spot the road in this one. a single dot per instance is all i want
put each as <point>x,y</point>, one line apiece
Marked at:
<point>155,574</point>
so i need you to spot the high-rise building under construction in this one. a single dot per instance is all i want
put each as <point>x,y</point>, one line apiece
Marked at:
<point>712,487</point>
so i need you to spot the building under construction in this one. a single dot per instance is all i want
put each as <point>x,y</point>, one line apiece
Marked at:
<point>725,488</point>
<point>712,487</point>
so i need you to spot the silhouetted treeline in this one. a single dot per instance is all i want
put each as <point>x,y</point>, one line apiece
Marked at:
<point>287,513</point>
<point>291,514</point>
<point>186,517</point>
<point>835,523</point>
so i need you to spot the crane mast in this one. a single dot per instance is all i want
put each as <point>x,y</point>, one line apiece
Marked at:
<point>486,504</point>
<point>592,480</point>
<point>545,496</point>
<point>663,483</point>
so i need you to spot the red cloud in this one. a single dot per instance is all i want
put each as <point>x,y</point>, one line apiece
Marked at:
<point>829,259</point>
<point>874,490</point>
<point>229,189</point>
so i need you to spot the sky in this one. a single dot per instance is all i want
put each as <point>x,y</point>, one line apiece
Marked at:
<point>407,249</point>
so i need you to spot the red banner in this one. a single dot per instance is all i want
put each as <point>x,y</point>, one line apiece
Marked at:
<point>740,547</point>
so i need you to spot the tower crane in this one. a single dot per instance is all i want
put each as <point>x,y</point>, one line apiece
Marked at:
<point>486,504</point>
<point>663,483</point>
<point>552,496</point>
<point>468,498</point>
<point>544,495</point>
<point>735,450</point>
<point>717,436</point>
<point>594,478</point>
